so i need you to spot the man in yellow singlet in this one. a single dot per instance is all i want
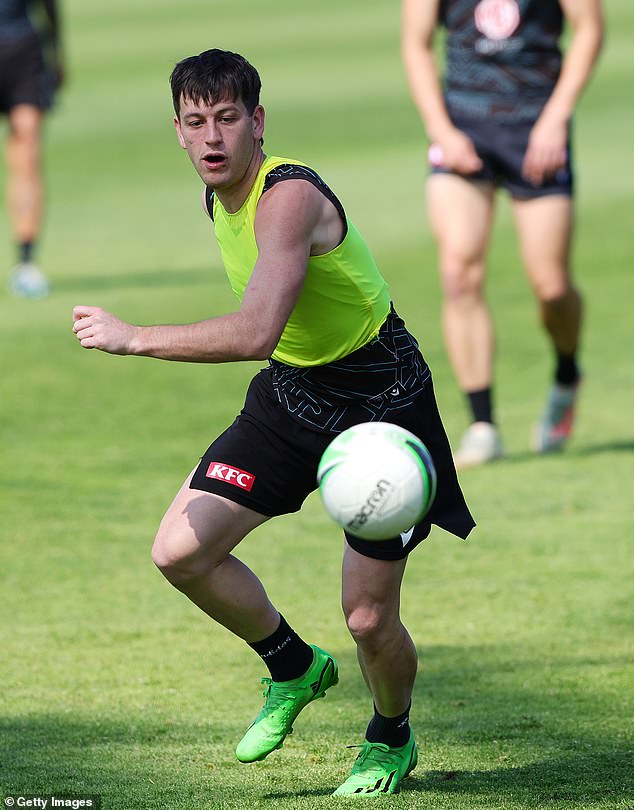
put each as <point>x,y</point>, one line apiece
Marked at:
<point>314,304</point>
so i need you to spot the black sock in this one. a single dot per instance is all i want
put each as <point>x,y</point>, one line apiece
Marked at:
<point>393,731</point>
<point>566,370</point>
<point>284,653</point>
<point>481,404</point>
<point>26,251</point>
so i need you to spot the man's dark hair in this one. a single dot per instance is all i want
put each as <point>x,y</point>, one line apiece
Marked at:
<point>214,76</point>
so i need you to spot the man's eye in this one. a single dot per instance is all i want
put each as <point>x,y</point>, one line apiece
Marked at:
<point>227,119</point>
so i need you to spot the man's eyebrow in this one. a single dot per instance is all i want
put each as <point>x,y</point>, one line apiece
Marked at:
<point>228,107</point>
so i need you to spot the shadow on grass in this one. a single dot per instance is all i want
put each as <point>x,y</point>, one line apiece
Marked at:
<point>148,765</point>
<point>288,795</point>
<point>116,281</point>
<point>580,778</point>
<point>130,762</point>
<point>540,741</point>
<point>576,451</point>
<point>621,446</point>
<point>532,740</point>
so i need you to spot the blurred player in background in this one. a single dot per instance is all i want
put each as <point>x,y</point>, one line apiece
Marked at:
<point>503,119</point>
<point>313,301</point>
<point>31,70</point>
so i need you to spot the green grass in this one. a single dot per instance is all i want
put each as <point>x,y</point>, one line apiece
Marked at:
<point>112,683</point>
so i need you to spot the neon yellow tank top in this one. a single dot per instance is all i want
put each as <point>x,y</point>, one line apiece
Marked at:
<point>344,299</point>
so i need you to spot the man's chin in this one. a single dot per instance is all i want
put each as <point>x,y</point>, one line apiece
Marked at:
<point>214,180</point>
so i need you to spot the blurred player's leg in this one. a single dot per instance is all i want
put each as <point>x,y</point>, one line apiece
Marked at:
<point>460,213</point>
<point>25,196</point>
<point>547,262</point>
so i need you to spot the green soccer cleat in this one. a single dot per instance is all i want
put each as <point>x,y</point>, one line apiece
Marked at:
<point>379,769</point>
<point>284,701</point>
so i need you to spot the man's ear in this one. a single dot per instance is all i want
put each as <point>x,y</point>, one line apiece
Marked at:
<point>258,122</point>
<point>177,124</point>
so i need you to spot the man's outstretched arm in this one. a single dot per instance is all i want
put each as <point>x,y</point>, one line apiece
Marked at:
<point>286,220</point>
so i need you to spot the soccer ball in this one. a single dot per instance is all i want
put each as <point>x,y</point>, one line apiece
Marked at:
<point>376,480</point>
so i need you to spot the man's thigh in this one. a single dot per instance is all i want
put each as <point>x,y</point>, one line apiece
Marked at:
<point>371,584</point>
<point>202,525</point>
<point>547,258</point>
<point>460,212</point>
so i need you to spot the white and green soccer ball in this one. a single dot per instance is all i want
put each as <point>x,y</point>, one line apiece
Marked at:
<point>376,480</point>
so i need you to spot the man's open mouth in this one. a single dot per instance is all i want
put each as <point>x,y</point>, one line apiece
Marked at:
<point>213,159</point>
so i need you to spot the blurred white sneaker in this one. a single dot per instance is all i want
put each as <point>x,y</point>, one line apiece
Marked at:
<point>28,281</point>
<point>480,444</point>
<point>555,426</point>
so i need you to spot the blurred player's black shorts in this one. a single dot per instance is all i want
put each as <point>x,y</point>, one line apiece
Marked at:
<point>267,459</point>
<point>501,146</point>
<point>24,78</point>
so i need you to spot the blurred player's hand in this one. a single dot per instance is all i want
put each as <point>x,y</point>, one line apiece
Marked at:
<point>97,329</point>
<point>455,151</point>
<point>546,151</point>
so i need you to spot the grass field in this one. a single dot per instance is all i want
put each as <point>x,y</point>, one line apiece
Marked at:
<point>111,682</point>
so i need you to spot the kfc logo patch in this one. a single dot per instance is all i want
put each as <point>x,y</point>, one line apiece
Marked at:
<point>230,475</point>
<point>497,19</point>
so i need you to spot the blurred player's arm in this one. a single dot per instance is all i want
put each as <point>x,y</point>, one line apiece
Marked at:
<point>419,22</point>
<point>287,219</point>
<point>53,35</point>
<point>546,152</point>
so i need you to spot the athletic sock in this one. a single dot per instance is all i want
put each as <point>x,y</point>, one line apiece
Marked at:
<point>393,731</point>
<point>285,654</point>
<point>26,251</point>
<point>481,404</point>
<point>566,370</point>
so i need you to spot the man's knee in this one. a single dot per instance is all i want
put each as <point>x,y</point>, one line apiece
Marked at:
<point>178,559</point>
<point>24,138</point>
<point>557,293</point>
<point>198,533</point>
<point>171,561</point>
<point>461,278</point>
<point>369,624</point>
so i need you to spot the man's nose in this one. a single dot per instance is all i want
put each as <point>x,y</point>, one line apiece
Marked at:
<point>212,133</point>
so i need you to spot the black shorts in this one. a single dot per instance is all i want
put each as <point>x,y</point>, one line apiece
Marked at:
<point>24,78</point>
<point>267,461</point>
<point>501,147</point>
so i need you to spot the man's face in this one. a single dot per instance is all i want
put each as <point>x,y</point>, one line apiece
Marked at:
<point>221,139</point>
